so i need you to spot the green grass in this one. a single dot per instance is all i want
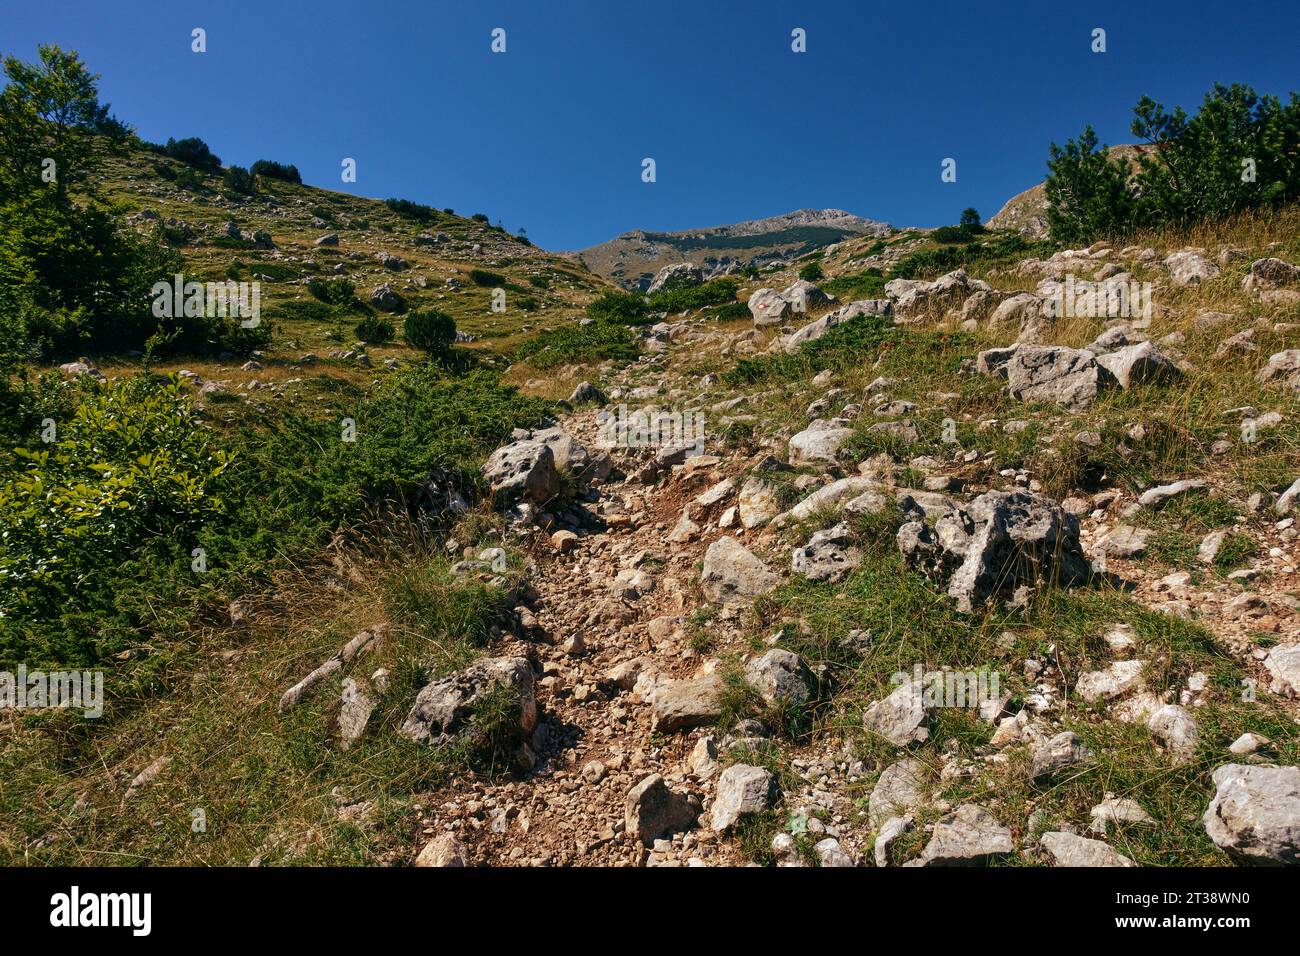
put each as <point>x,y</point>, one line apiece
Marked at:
<point>579,343</point>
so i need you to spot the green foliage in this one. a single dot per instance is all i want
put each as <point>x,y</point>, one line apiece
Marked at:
<point>846,345</point>
<point>579,343</point>
<point>413,210</point>
<point>1240,151</point>
<point>239,180</point>
<point>1087,192</point>
<point>482,277</point>
<point>970,218</point>
<point>927,263</point>
<point>131,473</point>
<point>376,329</point>
<point>961,233</point>
<point>867,284</point>
<point>1197,168</point>
<point>273,170</point>
<point>50,110</point>
<point>811,272</point>
<point>430,330</point>
<point>338,292</point>
<point>682,297</point>
<point>616,306</point>
<point>100,527</point>
<point>193,152</point>
<point>71,279</point>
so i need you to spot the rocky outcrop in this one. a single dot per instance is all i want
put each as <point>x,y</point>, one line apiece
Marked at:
<point>1053,373</point>
<point>815,330</point>
<point>677,274</point>
<point>523,469</point>
<point>1000,541</point>
<point>444,710</point>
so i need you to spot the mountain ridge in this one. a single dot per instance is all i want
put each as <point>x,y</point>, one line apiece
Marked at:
<point>632,258</point>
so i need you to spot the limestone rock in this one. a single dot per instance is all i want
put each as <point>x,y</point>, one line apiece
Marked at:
<point>741,789</point>
<point>731,573</point>
<point>652,811</point>
<point>444,709</point>
<point>1255,813</point>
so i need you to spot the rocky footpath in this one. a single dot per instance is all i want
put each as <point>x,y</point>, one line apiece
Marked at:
<point>636,629</point>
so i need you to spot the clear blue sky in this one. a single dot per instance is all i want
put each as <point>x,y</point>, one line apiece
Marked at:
<point>551,134</point>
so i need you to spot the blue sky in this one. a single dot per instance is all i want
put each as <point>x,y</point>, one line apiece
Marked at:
<point>550,135</point>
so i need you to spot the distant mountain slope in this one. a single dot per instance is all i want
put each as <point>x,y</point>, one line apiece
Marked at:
<point>633,258</point>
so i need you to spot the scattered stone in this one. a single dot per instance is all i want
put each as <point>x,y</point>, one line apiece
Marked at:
<point>900,717</point>
<point>781,677</point>
<point>1117,680</point>
<point>820,441</point>
<point>969,836</point>
<point>652,811</point>
<point>444,709</point>
<point>1068,849</point>
<point>829,555</point>
<point>1248,743</point>
<point>901,787</point>
<point>1061,752</point>
<point>1124,541</point>
<point>1161,495</point>
<point>442,850</point>
<point>1283,664</point>
<point>1255,813</point>
<point>731,573</point>
<point>683,704</point>
<point>1176,727</point>
<point>741,789</point>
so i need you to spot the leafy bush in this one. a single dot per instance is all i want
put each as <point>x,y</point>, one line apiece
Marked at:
<point>479,217</point>
<point>339,292</point>
<point>1240,151</point>
<point>430,330</point>
<point>811,272</point>
<point>867,284</point>
<point>101,526</point>
<point>131,474</point>
<point>927,263</point>
<point>239,180</point>
<point>375,329</point>
<point>1087,192</point>
<point>616,306</point>
<point>193,152</point>
<point>962,233</point>
<point>482,277</point>
<point>273,170</point>
<point>682,297</point>
<point>579,343</point>
<point>730,312</point>
<point>412,210</point>
<point>71,279</point>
